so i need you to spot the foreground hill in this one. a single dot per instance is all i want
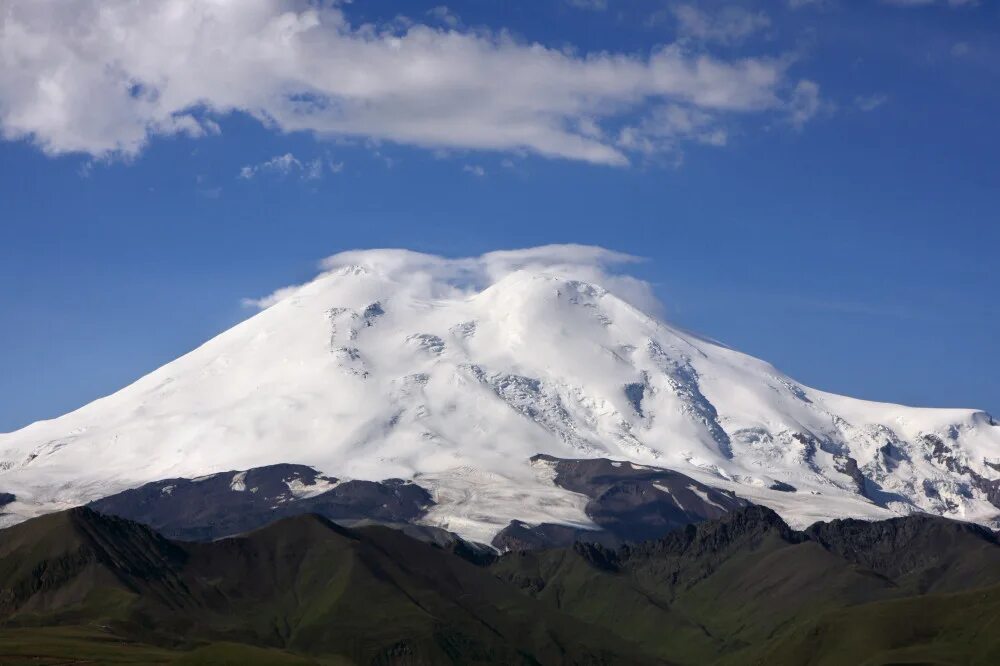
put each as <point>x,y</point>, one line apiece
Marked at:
<point>745,588</point>
<point>301,585</point>
<point>458,380</point>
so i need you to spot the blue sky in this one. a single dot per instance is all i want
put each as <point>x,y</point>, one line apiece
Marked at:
<point>814,183</point>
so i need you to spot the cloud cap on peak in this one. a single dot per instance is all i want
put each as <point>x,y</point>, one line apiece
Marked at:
<point>434,276</point>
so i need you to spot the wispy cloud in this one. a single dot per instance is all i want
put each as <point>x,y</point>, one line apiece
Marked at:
<point>728,25</point>
<point>665,129</point>
<point>960,49</point>
<point>849,307</point>
<point>444,15</point>
<point>475,170</point>
<point>283,165</point>
<point>870,102</point>
<point>923,3</point>
<point>592,5</point>
<point>805,103</point>
<point>104,77</point>
<point>797,4</point>
<point>205,187</point>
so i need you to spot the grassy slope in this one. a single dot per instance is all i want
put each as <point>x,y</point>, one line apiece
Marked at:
<point>642,616</point>
<point>756,592</point>
<point>303,585</point>
<point>962,628</point>
<point>81,587</point>
<point>51,646</point>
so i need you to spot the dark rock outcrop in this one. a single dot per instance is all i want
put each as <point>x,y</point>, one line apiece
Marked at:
<point>919,545</point>
<point>227,503</point>
<point>629,502</point>
<point>943,455</point>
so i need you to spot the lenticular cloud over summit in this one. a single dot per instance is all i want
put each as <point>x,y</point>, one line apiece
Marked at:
<point>465,375</point>
<point>435,276</point>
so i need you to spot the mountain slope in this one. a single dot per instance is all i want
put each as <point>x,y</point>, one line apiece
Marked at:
<point>748,589</point>
<point>455,374</point>
<point>302,585</point>
<point>225,504</point>
<point>955,629</point>
<point>744,588</point>
<point>628,502</point>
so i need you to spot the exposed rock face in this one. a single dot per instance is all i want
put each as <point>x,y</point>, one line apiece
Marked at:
<point>686,556</point>
<point>945,455</point>
<point>629,502</point>
<point>228,503</point>
<point>901,546</point>
<point>849,466</point>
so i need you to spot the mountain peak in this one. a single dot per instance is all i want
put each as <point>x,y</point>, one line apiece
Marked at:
<point>456,372</point>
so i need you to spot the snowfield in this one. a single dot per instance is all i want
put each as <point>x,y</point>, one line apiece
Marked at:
<point>454,372</point>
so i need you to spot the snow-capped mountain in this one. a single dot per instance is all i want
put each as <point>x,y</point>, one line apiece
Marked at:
<point>455,372</point>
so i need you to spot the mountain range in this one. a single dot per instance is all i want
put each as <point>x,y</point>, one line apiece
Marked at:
<point>78,586</point>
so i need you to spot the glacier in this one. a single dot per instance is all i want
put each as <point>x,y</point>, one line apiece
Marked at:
<point>455,372</point>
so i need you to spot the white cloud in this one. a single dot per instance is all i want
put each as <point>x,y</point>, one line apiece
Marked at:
<point>664,129</point>
<point>286,164</point>
<point>280,164</point>
<point>475,170</point>
<point>270,299</point>
<point>729,25</point>
<point>432,276</point>
<point>805,103</point>
<point>870,102</point>
<point>313,170</point>
<point>102,77</point>
<point>445,16</point>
